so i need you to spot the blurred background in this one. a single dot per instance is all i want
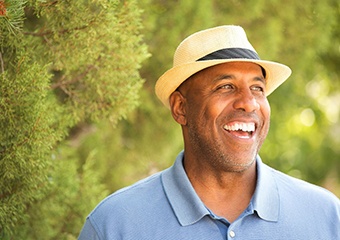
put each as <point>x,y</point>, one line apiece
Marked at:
<point>79,117</point>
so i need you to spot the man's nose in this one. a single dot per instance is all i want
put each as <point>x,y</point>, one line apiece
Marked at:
<point>246,101</point>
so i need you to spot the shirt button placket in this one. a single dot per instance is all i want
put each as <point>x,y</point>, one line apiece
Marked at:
<point>232,234</point>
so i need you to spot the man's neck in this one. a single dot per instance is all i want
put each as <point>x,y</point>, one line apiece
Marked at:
<point>226,194</point>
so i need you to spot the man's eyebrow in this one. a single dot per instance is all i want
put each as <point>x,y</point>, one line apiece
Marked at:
<point>223,76</point>
<point>260,79</point>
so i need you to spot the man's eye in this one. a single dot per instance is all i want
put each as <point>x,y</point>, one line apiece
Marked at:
<point>226,86</point>
<point>257,89</point>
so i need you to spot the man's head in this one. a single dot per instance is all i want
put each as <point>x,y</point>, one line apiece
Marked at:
<point>217,90</point>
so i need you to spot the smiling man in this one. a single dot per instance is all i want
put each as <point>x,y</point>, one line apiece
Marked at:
<point>218,187</point>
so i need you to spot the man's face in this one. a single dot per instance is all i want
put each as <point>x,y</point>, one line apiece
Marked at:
<point>226,115</point>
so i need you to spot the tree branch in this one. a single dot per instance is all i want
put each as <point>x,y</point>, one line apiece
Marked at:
<point>2,63</point>
<point>60,84</point>
<point>40,34</point>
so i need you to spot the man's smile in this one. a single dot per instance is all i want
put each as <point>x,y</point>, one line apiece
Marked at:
<point>244,130</point>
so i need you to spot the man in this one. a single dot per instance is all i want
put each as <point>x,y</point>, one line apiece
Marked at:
<point>218,187</point>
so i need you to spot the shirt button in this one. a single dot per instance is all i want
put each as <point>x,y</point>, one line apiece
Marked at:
<point>232,234</point>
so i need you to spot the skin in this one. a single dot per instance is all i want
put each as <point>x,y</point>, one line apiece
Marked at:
<point>221,164</point>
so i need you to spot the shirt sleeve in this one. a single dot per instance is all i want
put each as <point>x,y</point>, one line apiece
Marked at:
<point>88,232</point>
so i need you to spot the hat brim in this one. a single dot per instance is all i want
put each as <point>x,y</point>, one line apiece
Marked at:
<point>276,74</point>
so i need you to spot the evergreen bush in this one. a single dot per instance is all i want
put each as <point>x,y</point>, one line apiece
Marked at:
<point>64,64</point>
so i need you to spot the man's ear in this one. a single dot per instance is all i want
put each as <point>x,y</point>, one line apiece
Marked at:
<point>177,106</point>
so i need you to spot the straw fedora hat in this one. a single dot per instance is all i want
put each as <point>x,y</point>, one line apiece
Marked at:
<point>211,47</point>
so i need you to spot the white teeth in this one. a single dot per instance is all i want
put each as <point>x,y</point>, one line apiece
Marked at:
<point>246,127</point>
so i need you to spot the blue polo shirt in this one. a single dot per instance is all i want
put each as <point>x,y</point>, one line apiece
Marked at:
<point>166,207</point>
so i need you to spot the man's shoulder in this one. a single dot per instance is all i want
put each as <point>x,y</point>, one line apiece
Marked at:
<point>302,189</point>
<point>135,192</point>
<point>130,209</point>
<point>131,197</point>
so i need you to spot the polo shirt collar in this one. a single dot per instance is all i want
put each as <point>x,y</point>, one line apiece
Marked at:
<point>189,208</point>
<point>266,198</point>
<point>186,204</point>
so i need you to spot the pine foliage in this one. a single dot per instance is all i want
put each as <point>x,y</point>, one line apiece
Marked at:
<point>63,64</point>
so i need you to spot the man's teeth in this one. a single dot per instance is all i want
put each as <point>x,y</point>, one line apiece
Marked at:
<point>246,127</point>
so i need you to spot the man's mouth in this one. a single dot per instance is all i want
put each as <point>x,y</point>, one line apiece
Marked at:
<point>241,129</point>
